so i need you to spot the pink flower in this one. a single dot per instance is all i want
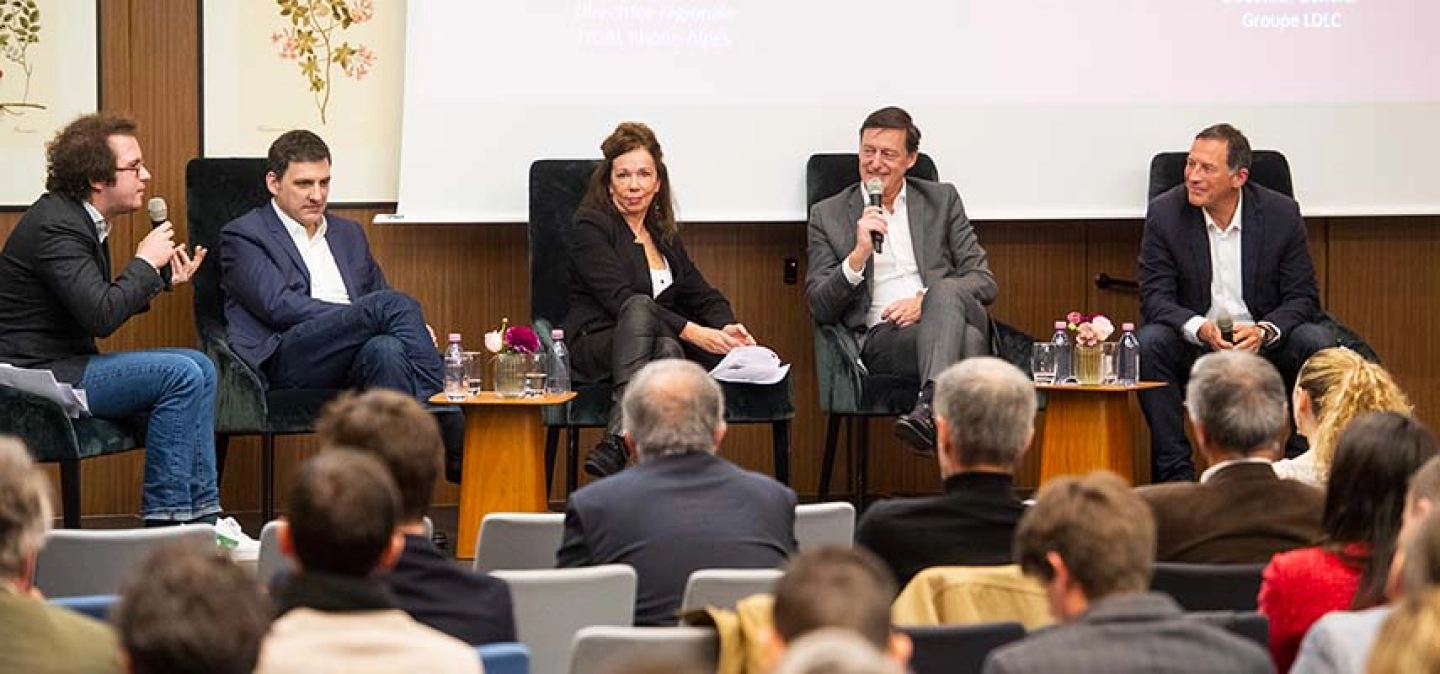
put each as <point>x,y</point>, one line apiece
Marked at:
<point>361,10</point>
<point>1074,318</point>
<point>522,339</point>
<point>289,46</point>
<point>360,63</point>
<point>1103,327</point>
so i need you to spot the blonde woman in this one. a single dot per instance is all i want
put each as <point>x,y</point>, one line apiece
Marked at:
<point>1335,386</point>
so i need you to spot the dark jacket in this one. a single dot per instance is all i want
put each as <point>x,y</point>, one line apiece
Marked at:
<point>472,607</point>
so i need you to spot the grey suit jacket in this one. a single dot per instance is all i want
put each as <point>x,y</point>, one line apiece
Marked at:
<point>1340,642</point>
<point>945,247</point>
<point>1131,633</point>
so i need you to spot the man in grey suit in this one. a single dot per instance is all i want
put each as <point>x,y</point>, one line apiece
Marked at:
<point>1091,542</point>
<point>914,304</point>
<point>681,508</point>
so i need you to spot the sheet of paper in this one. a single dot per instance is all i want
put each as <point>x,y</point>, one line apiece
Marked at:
<point>43,384</point>
<point>750,365</point>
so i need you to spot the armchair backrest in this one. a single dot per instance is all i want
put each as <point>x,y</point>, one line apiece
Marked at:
<point>1268,168</point>
<point>827,174</point>
<point>556,189</point>
<point>218,191</point>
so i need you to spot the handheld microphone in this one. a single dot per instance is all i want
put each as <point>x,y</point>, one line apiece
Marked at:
<point>159,215</point>
<point>1226,325</point>
<point>874,188</point>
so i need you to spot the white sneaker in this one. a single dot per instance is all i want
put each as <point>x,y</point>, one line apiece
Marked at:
<point>230,536</point>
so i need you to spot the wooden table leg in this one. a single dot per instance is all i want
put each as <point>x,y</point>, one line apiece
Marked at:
<point>1086,430</point>
<point>504,467</point>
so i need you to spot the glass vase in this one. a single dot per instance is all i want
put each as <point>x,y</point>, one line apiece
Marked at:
<point>510,369</point>
<point>1088,364</point>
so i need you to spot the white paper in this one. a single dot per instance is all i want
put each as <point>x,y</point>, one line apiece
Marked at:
<point>750,365</point>
<point>43,384</point>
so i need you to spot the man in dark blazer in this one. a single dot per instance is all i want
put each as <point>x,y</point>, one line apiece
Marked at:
<point>985,417</point>
<point>1091,542</point>
<point>306,303</point>
<point>1240,512</point>
<point>917,305</point>
<point>1218,250</point>
<point>681,508</point>
<point>59,292</point>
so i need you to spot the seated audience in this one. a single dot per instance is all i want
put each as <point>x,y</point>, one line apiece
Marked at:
<point>1334,387</point>
<point>1240,512</point>
<point>635,296</point>
<point>187,611</point>
<point>1407,643</point>
<point>472,607</point>
<point>1364,500</point>
<point>682,508</point>
<point>985,415</point>
<point>835,588</point>
<point>1341,641</point>
<point>36,636</point>
<point>1091,542</point>
<point>836,651</point>
<point>343,527</point>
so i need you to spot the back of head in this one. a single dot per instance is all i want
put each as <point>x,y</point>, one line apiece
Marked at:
<point>1341,386</point>
<point>344,509</point>
<point>846,588</point>
<point>1425,484</point>
<point>1365,494</point>
<point>189,611</point>
<point>1406,643</point>
<point>891,117</point>
<point>672,406</point>
<point>1240,400</point>
<point>80,154</point>
<point>295,147</point>
<point>989,405</point>
<point>24,510</point>
<point>835,651</point>
<point>1422,556</point>
<point>1098,526</point>
<point>398,431</point>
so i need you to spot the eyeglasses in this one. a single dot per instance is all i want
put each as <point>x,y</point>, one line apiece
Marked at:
<point>136,166</point>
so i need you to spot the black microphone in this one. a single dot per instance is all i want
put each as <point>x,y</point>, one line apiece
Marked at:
<point>874,188</point>
<point>159,215</point>
<point>1226,325</point>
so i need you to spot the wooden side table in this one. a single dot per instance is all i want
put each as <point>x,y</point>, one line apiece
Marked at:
<point>504,467</point>
<point>1088,428</point>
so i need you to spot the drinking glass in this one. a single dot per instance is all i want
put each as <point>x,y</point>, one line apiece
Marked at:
<point>535,374</point>
<point>1107,363</point>
<point>474,371</point>
<point>1042,362</point>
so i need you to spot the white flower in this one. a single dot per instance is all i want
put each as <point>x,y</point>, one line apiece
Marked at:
<point>494,342</point>
<point>1103,327</point>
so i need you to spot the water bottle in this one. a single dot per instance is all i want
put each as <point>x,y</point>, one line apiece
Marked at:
<point>455,385</point>
<point>1127,357</point>
<point>1064,372</point>
<point>558,379</point>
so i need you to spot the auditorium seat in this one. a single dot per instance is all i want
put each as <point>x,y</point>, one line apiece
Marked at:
<point>846,394</point>
<point>602,649</point>
<point>723,588</point>
<point>1209,587</point>
<point>80,563</point>
<point>947,649</point>
<point>823,525</point>
<point>517,541</point>
<point>556,188</point>
<point>552,605</point>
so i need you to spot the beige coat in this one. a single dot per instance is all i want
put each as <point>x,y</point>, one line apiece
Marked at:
<point>361,642</point>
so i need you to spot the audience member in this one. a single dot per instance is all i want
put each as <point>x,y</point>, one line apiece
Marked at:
<point>37,637</point>
<point>1364,501</point>
<point>342,527</point>
<point>186,611</point>
<point>847,589</point>
<point>1341,641</point>
<point>1240,512</point>
<point>1220,249</point>
<point>914,304</point>
<point>472,607</point>
<point>836,651</point>
<point>1407,643</point>
<point>1335,386</point>
<point>985,419</point>
<point>1091,542</point>
<point>682,508</point>
<point>59,292</point>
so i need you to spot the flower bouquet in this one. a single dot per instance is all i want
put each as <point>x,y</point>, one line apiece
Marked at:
<point>1089,331</point>
<point>517,358</point>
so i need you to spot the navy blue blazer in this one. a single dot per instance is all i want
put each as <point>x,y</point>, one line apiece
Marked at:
<point>267,286</point>
<point>1276,270</point>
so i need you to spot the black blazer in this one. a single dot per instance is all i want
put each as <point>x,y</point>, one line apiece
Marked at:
<point>56,292</point>
<point>1278,276</point>
<point>607,267</point>
<point>472,607</point>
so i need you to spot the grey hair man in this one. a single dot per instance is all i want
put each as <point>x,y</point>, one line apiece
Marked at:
<point>682,508</point>
<point>1240,512</point>
<point>985,420</point>
<point>35,635</point>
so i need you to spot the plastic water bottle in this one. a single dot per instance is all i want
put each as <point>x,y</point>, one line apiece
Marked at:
<point>455,384</point>
<point>1064,371</point>
<point>1127,357</point>
<point>558,379</point>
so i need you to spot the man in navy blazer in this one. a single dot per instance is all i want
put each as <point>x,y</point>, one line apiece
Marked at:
<point>1219,250</point>
<point>306,303</point>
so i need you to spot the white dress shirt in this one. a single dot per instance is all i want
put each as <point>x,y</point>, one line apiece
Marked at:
<point>896,270</point>
<point>1227,287</point>
<point>326,284</point>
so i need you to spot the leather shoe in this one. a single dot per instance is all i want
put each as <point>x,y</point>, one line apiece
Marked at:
<point>917,429</point>
<point>607,458</point>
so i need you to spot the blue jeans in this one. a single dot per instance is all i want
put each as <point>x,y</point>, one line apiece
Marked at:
<point>177,388</point>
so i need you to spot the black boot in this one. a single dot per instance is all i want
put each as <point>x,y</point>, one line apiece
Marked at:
<point>608,457</point>
<point>916,429</point>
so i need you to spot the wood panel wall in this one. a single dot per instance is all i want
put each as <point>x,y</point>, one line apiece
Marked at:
<point>1377,274</point>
